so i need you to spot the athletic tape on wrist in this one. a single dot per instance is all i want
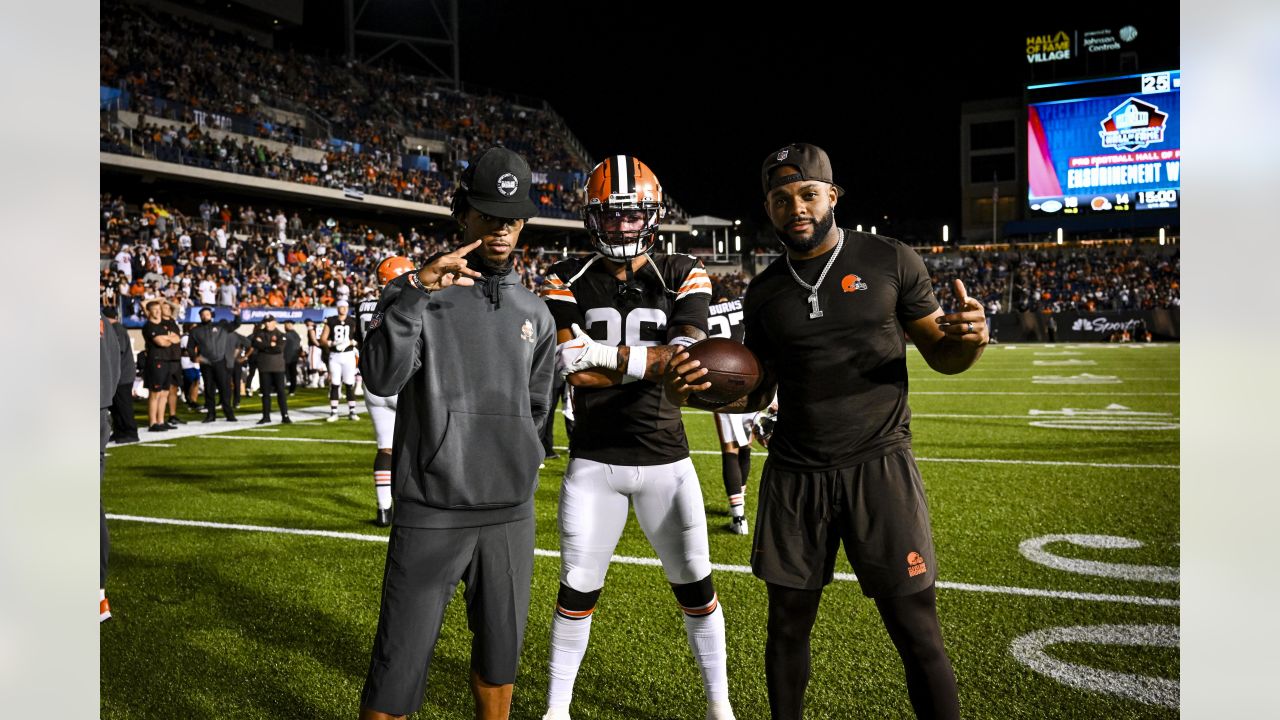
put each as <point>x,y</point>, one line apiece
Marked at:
<point>636,364</point>
<point>682,341</point>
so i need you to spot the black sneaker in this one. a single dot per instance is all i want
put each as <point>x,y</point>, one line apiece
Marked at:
<point>175,421</point>
<point>125,440</point>
<point>231,418</point>
<point>264,420</point>
<point>286,421</point>
<point>209,418</point>
<point>158,428</point>
<point>384,517</point>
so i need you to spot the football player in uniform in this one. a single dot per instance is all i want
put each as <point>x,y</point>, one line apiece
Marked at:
<point>735,429</point>
<point>341,335</point>
<point>382,410</point>
<point>621,314</point>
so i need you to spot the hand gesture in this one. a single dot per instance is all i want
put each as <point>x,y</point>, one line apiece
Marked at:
<point>449,269</point>
<point>969,323</point>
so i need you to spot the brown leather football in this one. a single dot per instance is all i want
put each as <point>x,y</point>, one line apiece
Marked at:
<point>732,369</point>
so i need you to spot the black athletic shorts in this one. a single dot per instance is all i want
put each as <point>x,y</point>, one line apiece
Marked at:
<point>423,569</point>
<point>876,508</point>
<point>175,373</point>
<point>157,375</point>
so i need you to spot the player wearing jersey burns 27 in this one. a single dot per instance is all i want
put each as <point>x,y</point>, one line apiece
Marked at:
<point>827,321</point>
<point>620,316</point>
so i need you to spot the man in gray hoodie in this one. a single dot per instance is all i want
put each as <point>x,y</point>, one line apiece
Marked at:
<point>470,353</point>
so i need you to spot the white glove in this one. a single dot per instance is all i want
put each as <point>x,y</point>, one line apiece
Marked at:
<point>583,353</point>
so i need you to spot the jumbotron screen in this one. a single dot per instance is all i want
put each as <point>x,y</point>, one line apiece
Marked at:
<point>1105,145</point>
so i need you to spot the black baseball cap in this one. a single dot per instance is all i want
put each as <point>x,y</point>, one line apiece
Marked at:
<point>497,183</point>
<point>267,317</point>
<point>207,309</point>
<point>109,312</point>
<point>811,160</point>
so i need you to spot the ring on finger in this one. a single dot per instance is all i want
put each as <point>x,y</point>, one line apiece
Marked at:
<point>970,329</point>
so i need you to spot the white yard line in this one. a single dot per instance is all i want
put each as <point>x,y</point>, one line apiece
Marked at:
<point>717,452</point>
<point>626,560</point>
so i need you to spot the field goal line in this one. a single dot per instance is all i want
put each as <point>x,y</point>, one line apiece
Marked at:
<point>654,562</point>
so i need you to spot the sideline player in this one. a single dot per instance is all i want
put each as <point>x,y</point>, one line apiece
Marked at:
<point>341,335</point>
<point>828,320</point>
<point>628,444</point>
<point>735,429</point>
<point>382,410</point>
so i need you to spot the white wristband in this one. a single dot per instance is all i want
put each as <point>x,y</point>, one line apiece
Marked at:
<point>637,361</point>
<point>682,340</point>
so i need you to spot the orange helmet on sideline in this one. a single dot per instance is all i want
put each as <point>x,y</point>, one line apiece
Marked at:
<point>392,268</point>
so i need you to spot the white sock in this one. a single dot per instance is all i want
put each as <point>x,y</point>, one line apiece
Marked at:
<point>737,505</point>
<point>351,407</point>
<point>568,644</point>
<point>706,640</point>
<point>382,485</point>
<point>333,407</point>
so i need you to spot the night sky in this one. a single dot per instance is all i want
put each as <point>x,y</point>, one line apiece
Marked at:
<point>702,97</point>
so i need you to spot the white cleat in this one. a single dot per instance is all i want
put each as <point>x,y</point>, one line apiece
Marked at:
<point>720,711</point>
<point>353,416</point>
<point>333,417</point>
<point>738,526</point>
<point>557,713</point>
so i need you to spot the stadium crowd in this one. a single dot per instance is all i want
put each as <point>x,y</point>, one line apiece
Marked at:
<point>177,75</point>
<point>1076,279</point>
<point>212,255</point>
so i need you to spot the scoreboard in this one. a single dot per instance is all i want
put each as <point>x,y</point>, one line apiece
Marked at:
<point>1107,145</point>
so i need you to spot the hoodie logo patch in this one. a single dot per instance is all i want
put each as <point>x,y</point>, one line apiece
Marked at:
<point>526,331</point>
<point>375,321</point>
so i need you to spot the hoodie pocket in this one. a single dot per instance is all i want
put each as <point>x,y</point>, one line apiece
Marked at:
<point>483,461</point>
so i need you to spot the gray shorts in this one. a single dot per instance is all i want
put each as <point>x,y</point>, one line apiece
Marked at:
<point>423,569</point>
<point>876,508</point>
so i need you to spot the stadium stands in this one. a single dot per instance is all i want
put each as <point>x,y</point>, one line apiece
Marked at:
<point>246,257</point>
<point>193,95</point>
<point>1077,279</point>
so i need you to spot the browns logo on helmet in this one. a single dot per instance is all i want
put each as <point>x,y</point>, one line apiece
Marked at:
<point>624,206</point>
<point>392,268</point>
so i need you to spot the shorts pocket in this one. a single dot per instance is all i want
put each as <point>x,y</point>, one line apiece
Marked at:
<point>483,461</point>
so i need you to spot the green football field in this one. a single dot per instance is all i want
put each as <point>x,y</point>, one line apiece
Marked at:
<point>246,571</point>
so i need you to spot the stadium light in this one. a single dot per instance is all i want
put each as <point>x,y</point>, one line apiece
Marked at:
<point>737,243</point>
<point>1162,236</point>
<point>946,233</point>
<point>719,246</point>
<point>1059,236</point>
<point>859,228</point>
<point>695,233</point>
<point>873,229</point>
<point>736,223</point>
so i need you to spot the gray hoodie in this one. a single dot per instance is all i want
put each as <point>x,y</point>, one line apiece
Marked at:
<point>472,367</point>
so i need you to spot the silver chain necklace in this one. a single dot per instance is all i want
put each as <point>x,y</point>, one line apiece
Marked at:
<point>814,311</point>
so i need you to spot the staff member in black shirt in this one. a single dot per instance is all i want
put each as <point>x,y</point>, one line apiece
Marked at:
<point>162,342</point>
<point>292,351</point>
<point>124,429</point>
<point>212,344</point>
<point>268,354</point>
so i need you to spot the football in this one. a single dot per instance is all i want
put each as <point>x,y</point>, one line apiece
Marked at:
<point>732,369</point>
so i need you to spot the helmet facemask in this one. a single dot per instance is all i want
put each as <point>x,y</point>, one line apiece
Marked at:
<point>623,230</point>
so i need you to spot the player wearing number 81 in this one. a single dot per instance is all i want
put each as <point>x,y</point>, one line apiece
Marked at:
<point>620,315</point>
